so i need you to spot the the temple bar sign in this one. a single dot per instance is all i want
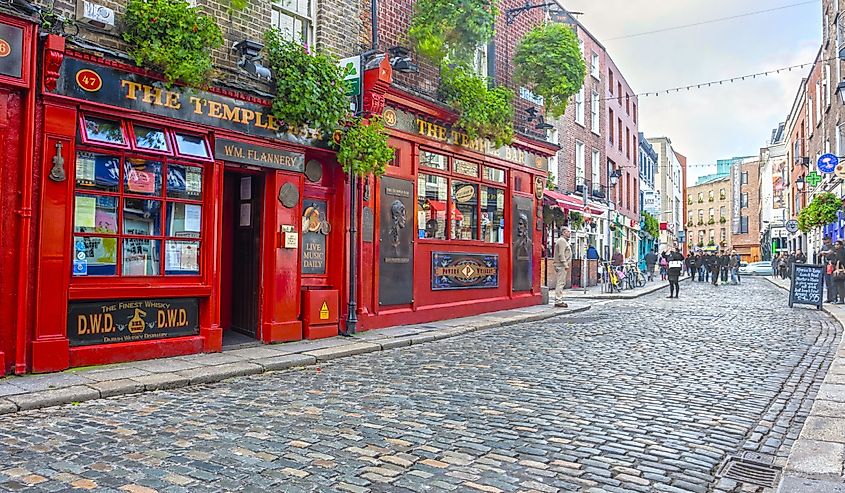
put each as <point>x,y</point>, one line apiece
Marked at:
<point>242,153</point>
<point>407,122</point>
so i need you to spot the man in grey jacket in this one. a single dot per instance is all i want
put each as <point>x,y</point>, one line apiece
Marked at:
<point>563,265</point>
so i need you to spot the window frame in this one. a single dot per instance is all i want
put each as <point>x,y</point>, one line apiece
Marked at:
<point>480,181</point>
<point>122,194</point>
<point>311,19</point>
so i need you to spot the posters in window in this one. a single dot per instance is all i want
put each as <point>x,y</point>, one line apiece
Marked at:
<point>193,181</point>
<point>193,217</point>
<point>85,212</point>
<point>85,168</point>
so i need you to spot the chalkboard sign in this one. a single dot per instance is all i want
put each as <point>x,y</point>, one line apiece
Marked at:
<point>807,285</point>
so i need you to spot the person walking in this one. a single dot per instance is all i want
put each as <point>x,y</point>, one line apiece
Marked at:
<point>826,258</point>
<point>715,268</point>
<point>725,263</point>
<point>782,265</point>
<point>838,273</point>
<point>650,262</point>
<point>776,264</point>
<point>733,267</point>
<point>664,265</point>
<point>693,266</point>
<point>673,272</point>
<point>800,258</point>
<point>563,265</point>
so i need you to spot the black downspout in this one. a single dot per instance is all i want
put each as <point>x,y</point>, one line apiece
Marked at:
<point>374,23</point>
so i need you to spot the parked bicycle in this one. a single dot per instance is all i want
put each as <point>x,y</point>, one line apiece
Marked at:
<point>634,277</point>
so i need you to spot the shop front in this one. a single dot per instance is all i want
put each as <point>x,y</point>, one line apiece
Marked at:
<point>454,228</point>
<point>17,116</point>
<point>174,221</point>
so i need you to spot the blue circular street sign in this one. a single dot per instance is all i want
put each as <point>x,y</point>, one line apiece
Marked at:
<point>827,163</point>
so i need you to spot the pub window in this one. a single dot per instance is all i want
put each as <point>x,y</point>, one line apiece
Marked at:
<point>432,200</point>
<point>104,131</point>
<point>432,160</point>
<point>135,215</point>
<point>465,219</point>
<point>465,168</point>
<point>192,145</point>
<point>492,215</point>
<point>494,174</point>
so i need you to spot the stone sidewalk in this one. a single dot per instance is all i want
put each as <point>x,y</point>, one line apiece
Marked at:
<point>19,393</point>
<point>816,463</point>
<point>595,292</point>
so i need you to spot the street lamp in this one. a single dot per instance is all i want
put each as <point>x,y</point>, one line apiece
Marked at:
<point>614,177</point>
<point>799,183</point>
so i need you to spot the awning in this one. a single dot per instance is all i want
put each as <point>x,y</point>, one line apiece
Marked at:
<point>440,208</point>
<point>568,202</point>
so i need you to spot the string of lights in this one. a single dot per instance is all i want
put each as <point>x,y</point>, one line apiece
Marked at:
<point>731,80</point>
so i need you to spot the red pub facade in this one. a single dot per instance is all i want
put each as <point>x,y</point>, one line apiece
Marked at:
<point>144,221</point>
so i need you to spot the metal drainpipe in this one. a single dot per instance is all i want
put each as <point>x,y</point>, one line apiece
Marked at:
<point>25,213</point>
<point>374,22</point>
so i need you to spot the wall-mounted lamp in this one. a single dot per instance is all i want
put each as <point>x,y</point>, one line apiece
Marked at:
<point>799,183</point>
<point>614,177</point>
<point>401,61</point>
<point>249,51</point>
<point>803,161</point>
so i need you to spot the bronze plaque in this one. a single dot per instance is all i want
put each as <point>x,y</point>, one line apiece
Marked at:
<point>289,195</point>
<point>313,171</point>
<point>523,244</point>
<point>367,225</point>
<point>396,242</point>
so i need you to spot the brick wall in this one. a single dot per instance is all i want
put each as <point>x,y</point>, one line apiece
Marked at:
<point>748,243</point>
<point>338,30</point>
<point>622,105</point>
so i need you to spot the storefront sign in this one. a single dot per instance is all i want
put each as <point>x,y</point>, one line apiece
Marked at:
<point>523,245</point>
<point>268,157</point>
<point>315,228</point>
<point>107,322</point>
<point>463,271</point>
<point>407,122</point>
<point>11,51</point>
<point>106,85</point>
<point>396,247</point>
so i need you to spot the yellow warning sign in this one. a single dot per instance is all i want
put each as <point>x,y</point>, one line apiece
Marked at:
<point>324,311</point>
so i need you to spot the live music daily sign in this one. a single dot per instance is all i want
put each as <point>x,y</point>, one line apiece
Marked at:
<point>807,285</point>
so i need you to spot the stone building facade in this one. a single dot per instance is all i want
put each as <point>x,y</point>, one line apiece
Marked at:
<point>708,220</point>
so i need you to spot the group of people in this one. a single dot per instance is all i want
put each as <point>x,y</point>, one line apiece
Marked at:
<point>782,264</point>
<point>671,265</point>
<point>719,267</point>
<point>832,257</point>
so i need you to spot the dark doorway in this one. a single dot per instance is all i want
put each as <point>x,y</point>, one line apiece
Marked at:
<point>242,201</point>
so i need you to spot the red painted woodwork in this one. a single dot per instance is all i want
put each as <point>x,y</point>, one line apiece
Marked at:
<point>313,312</point>
<point>134,351</point>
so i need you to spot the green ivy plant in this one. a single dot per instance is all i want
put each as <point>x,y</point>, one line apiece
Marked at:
<point>309,88</point>
<point>363,148</point>
<point>548,61</point>
<point>651,225</point>
<point>823,210</point>
<point>576,220</point>
<point>484,112</point>
<point>172,37</point>
<point>452,28</point>
<point>551,181</point>
<point>553,215</point>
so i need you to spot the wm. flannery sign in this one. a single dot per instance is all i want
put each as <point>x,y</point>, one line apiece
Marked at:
<point>407,122</point>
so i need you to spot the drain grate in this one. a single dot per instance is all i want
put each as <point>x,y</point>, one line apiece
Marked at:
<point>746,470</point>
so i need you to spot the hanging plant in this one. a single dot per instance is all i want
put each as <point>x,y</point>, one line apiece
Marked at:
<point>553,215</point>
<point>576,220</point>
<point>551,181</point>
<point>172,37</point>
<point>451,28</point>
<point>651,225</point>
<point>484,112</point>
<point>309,88</point>
<point>823,210</point>
<point>549,62</point>
<point>363,148</point>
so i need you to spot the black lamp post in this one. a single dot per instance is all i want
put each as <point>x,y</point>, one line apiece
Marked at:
<point>800,183</point>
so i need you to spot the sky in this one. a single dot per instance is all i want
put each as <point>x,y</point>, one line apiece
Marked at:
<point>721,121</point>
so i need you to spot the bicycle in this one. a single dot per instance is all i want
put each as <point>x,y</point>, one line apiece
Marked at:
<point>611,279</point>
<point>634,277</point>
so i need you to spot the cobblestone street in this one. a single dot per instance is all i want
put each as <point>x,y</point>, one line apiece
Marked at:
<point>650,394</point>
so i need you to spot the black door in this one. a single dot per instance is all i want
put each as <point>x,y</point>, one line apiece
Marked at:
<point>246,250</point>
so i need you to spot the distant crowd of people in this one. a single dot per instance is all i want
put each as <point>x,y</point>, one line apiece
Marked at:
<point>718,267</point>
<point>782,264</point>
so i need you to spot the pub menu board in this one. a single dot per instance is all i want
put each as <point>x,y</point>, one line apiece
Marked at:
<point>315,228</point>
<point>106,322</point>
<point>807,285</point>
<point>396,242</point>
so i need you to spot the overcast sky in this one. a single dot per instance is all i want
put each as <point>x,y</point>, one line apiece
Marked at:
<point>716,122</point>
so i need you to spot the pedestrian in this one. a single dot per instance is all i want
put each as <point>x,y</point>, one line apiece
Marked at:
<point>776,263</point>
<point>650,262</point>
<point>592,253</point>
<point>664,265</point>
<point>563,265</point>
<point>715,268</point>
<point>800,258</point>
<point>827,259</point>
<point>782,265</point>
<point>693,266</point>
<point>702,267</point>
<point>733,266</point>
<point>675,265</point>
<point>724,265</point>
<point>838,273</point>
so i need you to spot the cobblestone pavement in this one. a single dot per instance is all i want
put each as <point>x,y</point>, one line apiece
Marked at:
<point>636,395</point>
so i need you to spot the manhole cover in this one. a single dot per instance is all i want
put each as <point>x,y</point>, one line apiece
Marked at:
<point>750,471</point>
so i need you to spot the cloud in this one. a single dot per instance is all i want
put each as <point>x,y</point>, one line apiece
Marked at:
<point>720,121</point>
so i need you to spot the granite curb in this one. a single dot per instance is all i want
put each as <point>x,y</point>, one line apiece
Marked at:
<point>816,462</point>
<point>638,293</point>
<point>73,386</point>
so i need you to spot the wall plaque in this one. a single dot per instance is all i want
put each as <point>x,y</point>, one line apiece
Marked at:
<point>463,270</point>
<point>523,244</point>
<point>367,225</point>
<point>315,227</point>
<point>396,247</point>
<point>314,171</point>
<point>289,195</point>
<point>267,157</point>
<point>107,322</point>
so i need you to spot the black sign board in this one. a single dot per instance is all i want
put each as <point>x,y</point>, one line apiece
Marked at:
<point>243,153</point>
<point>523,244</point>
<point>11,51</point>
<point>315,228</point>
<point>807,285</point>
<point>396,242</point>
<point>106,85</point>
<point>463,270</point>
<point>107,322</point>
